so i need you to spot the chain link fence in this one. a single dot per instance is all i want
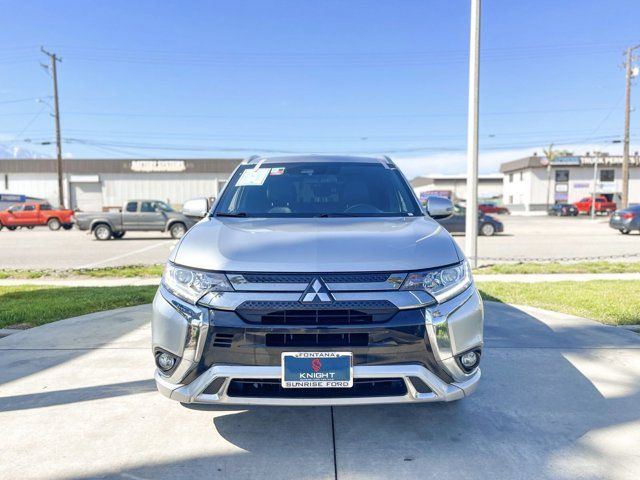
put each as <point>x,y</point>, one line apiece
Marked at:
<point>514,259</point>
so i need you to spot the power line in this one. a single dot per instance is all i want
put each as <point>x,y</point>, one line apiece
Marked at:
<point>319,116</point>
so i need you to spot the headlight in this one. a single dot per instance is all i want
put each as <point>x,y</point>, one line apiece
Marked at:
<point>442,283</point>
<point>191,285</point>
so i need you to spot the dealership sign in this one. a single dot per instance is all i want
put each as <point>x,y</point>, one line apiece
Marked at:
<point>568,160</point>
<point>158,166</point>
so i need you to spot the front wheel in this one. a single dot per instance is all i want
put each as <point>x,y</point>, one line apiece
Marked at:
<point>54,224</point>
<point>487,230</point>
<point>178,230</point>
<point>625,231</point>
<point>11,227</point>
<point>102,232</point>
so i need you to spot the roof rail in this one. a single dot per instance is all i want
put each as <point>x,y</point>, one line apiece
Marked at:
<point>389,161</point>
<point>252,159</point>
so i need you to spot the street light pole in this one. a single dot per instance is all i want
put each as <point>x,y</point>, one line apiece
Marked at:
<point>627,115</point>
<point>471,221</point>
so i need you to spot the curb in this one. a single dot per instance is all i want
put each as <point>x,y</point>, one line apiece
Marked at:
<point>631,328</point>
<point>5,332</point>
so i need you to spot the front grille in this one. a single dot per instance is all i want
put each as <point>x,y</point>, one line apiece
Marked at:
<point>317,340</point>
<point>308,277</point>
<point>317,317</point>
<point>271,388</point>
<point>335,313</point>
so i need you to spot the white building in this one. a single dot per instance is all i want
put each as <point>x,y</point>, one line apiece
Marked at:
<point>532,183</point>
<point>455,187</point>
<point>104,184</point>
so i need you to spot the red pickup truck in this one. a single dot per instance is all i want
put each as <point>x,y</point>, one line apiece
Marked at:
<point>32,214</point>
<point>603,205</point>
<point>493,208</point>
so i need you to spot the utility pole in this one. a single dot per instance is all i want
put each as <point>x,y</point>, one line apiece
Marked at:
<point>54,60</point>
<point>471,220</point>
<point>627,118</point>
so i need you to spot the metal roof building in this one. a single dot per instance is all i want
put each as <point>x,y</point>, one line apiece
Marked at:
<point>97,184</point>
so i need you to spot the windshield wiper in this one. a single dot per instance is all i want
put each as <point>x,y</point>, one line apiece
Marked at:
<point>230,214</point>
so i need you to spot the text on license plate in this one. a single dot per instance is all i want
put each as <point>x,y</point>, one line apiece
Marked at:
<point>317,369</point>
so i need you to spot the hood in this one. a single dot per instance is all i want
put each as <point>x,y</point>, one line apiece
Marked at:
<point>316,245</point>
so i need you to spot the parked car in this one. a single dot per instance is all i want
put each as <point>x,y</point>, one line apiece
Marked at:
<point>626,220</point>
<point>136,215</point>
<point>456,223</point>
<point>603,205</point>
<point>493,208</point>
<point>317,280</point>
<point>33,214</point>
<point>563,210</point>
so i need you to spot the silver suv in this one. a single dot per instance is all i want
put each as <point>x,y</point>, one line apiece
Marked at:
<point>317,280</point>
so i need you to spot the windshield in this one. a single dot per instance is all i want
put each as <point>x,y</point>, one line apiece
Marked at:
<point>318,190</point>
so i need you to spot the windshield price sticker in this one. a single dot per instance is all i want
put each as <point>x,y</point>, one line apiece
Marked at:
<point>253,178</point>
<point>277,171</point>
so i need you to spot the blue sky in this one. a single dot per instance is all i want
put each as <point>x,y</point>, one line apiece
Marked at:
<point>224,79</point>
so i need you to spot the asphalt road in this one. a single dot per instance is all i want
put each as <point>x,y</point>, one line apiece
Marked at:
<point>524,237</point>
<point>559,399</point>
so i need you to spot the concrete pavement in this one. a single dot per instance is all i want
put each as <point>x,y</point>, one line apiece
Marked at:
<point>560,398</point>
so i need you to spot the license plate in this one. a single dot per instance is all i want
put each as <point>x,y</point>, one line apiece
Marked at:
<point>317,369</point>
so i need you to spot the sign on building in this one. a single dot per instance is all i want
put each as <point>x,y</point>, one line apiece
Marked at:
<point>158,166</point>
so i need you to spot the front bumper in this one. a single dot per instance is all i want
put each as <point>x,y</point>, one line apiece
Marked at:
<point>414,353</point>
<point>194,392</point>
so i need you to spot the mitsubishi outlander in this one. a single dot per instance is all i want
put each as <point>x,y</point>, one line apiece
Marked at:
<point>317,280</point>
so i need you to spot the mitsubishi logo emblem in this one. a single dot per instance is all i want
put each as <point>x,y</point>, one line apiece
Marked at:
<point>316,292</point>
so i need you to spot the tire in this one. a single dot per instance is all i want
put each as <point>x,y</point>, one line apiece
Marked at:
<point>118,235</point>
<point>178,230</point>
<point>67,226</point>
<point>487,230</point>
<point>624,231</point>
<point>11,227</point>
<point>54,224</point>
<point>102,232</point>
<point>30,227</point>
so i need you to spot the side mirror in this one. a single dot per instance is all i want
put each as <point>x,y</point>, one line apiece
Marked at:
<point>197,207</point>
<point>439,207</point>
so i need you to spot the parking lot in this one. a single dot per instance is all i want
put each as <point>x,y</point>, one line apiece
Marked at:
<point>558,400</point>
<point>524,238</point>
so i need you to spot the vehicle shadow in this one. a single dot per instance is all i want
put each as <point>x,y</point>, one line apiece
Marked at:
<point>127,238</point>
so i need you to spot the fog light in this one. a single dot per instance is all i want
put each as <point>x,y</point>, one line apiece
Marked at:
<point>469,359</point>
<point>165,361</point>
